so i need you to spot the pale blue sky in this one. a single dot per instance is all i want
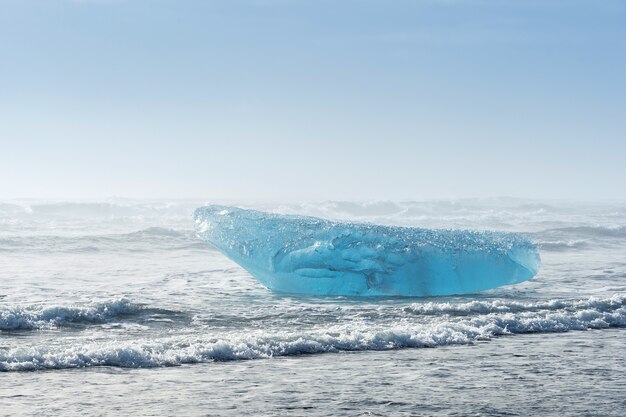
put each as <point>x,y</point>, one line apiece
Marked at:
<point>312,100</point>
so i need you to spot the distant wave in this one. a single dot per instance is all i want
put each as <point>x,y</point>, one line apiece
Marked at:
<point>17,216</point>
<point>97,242</point>
<point>577,237</point>
<point>160,231</point>
<point>494,213</point>
<point>495,319</point>
<point>23,318</point>
<point>90,209</point>
<point>589,231</point>
<point>563,245</point>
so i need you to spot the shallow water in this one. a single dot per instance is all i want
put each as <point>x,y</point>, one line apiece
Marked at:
<point>100,300</point>
<point>567,374</point>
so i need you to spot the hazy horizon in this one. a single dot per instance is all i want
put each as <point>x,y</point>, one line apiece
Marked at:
<point>495,201</point>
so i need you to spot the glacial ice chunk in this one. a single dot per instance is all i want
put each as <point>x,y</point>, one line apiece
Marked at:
<point>308,255</point>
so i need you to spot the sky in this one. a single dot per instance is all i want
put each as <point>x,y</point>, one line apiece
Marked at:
<point>312,100</point>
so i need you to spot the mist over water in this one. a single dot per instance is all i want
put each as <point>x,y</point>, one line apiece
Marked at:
<point>127,284</point>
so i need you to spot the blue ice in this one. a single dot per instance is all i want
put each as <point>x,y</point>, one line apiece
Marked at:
<point>308,255</point>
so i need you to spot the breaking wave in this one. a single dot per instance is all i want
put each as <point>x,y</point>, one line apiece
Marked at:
<point>495,318</point>
<point>39,318</point>
<point>611,304</point>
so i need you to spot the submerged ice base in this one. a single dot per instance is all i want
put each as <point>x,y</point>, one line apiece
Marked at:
<point>307,255</point>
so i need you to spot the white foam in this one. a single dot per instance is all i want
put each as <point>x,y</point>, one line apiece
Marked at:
<point>504,306</point>
<point>31,318</point>
<point>545,317</point>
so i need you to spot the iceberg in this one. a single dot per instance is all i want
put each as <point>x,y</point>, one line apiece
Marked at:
<point>308,255</point>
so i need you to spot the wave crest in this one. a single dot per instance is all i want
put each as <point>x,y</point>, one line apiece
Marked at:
<point>503,306</point>
<point>551,316</point>
<point>24,318</point>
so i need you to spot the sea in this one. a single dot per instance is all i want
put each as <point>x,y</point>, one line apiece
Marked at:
<point>116,307</point>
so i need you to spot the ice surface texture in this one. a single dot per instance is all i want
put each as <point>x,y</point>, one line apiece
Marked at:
<point>307,255</point>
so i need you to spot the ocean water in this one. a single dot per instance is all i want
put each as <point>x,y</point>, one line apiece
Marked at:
<point>116,307</point>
